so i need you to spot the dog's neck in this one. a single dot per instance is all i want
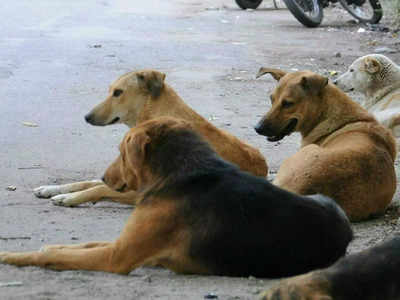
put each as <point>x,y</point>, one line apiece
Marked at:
<point>338,110</point>
<point>167,104</point>
<point>373,96</point>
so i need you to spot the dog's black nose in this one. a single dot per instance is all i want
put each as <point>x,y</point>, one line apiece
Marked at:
<point>257,128</point>
<point>103,179</point>
<point>335,82</point>
<point>89,118</point>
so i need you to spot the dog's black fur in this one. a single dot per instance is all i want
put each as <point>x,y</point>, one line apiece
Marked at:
<point>373,274</point>
<point>239,224</point>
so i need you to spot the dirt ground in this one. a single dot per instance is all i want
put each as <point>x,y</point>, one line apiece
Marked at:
<point>57,60</point>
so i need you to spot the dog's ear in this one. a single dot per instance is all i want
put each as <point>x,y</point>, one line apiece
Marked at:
<point>134,152</point>
<point>313,83</point>
<point>372,65</point>
<point>151,81</point>
<point>276,73</point>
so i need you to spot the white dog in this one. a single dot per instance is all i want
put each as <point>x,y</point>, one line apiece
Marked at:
<point>378,78</point>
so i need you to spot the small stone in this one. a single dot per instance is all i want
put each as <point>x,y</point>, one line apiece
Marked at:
<point>385,50</point>
<point>211,296</point>
<point>338,54</point>
<point>11,188</point>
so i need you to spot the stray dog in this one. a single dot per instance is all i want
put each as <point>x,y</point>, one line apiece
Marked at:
<point>345,153</point>
<point>378,78</point>
<point>197,213</point>
<point>370,275</point>
<point>137,97</point>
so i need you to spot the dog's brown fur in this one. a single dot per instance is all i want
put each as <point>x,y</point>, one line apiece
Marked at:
<point>135,98</point>
<point>345,153</point>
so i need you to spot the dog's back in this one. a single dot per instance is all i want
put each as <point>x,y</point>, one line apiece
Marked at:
<point>242,225</point>
<point>371,275</point>
<point>255,228</point>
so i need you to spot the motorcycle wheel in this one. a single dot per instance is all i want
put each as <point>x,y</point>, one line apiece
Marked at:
<point>248,3</point>
<point>307,12</point>
<point>368,11</point>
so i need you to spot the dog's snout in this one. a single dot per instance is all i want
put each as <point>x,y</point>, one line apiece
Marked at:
<point>89,118</point>
<point>335,82</point>
<point>261,127</point>
<point>103,179</point>
<point>258,128</point>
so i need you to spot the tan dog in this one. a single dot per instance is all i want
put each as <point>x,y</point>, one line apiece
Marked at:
<point>197,213</point>
<point>378,78</point>
<point>345,153</point>
<point>137,97</point>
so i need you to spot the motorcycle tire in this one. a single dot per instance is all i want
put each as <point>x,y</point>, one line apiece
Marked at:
<point>356,10</point>
<point>243,4</point>
<point>300,9</point>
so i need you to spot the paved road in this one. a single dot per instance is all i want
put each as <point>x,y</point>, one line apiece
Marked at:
<point>57,59</point>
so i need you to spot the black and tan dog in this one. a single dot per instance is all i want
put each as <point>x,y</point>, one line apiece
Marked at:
<point>372,274</point>
<point>345,153</point>
<point>197,213</point>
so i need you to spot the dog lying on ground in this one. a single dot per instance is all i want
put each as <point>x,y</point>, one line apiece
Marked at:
<point>378,78</point>
<point>370,275</point>
<point>197,213</point>
<point>137,97</point>
<point>345,153</point>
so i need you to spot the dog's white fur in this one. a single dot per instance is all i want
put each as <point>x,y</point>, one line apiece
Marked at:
<point>378,78</point>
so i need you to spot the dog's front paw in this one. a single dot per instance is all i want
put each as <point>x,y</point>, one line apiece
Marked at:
<point>5,257</point>
<point>46,191</point>
<point>64,200</point>
<point>303,287</point>
<point>45,248</point>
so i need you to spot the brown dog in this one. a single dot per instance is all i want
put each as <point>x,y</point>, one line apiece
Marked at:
<point>345,154</point>
<point>137,97</point>
<point>197,213</point>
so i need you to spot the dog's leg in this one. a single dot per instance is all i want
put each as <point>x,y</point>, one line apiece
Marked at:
<point>94,195</point>
<point>75,246</point>
<point>152,235</point>
<point>294,173</point>
<point>47,191</point>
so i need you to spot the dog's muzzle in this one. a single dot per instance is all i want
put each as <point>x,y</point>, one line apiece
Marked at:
<point>263,128</point>
<point>90,118</point>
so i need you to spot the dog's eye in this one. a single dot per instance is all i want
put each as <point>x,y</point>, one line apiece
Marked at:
<point>351,70</point>
<point>287,104</point>
<point>117,93</point>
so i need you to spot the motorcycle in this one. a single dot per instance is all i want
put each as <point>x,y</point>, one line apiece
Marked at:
<point>310,12</point>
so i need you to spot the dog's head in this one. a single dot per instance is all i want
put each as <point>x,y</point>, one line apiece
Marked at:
<point>366,74</point>
<point>126,98</point>
<point>141,153</point>
<point>294,103</point>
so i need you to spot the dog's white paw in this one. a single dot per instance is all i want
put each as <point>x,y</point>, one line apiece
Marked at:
<point>64,200</point>
<point>45,248</point>
<point>4,256</point>
<point>47,191</point>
